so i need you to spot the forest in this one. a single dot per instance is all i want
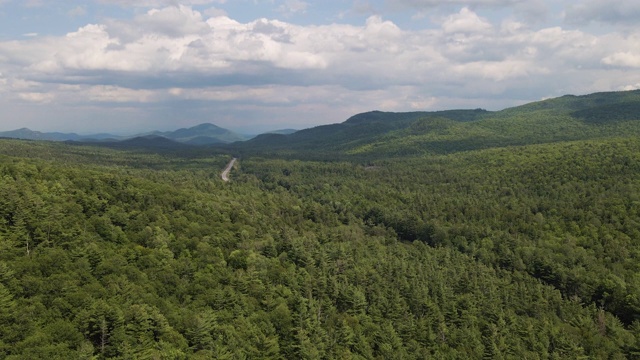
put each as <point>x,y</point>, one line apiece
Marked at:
<point>450,235</point>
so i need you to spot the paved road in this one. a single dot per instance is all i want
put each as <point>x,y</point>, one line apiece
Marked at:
<point>225,173</point>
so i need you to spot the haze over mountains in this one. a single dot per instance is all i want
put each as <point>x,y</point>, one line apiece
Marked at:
<point>405,133</point>
<point>203,134</point>
<point>461,234</point>
<point>383,134</point>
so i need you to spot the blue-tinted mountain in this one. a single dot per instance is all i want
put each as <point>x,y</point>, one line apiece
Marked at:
<point>203,134</point>
<point>28,134</point>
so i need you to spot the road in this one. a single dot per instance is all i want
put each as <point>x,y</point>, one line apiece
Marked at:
<point>225,173</point>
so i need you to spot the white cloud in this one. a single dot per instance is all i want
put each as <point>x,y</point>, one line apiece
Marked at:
<point>385,30</point>
<point>85,49</point>
<point>22,85</point>
<point>624,59</point>
<point>183,56</point>
<point>635,86</point>
<point>214,12</point>
<point>172,21</point>
<point>170,39</point>
<point>37,97</point>
<point>379,53</point>
<point>466,21</point>
<point>159,3</point>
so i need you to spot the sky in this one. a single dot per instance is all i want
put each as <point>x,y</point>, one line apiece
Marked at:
<point>126,66</point>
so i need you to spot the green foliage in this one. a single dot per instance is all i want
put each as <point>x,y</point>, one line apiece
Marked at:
<point>330,141</point>
<point>498,252</point>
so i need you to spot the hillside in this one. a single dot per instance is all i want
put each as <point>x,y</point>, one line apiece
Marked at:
<point>570,103</point>
<point>380,134</point>
<point>462,234</point>
<point>117,254</point>
<point>337,138</point>
<point>203,134</point>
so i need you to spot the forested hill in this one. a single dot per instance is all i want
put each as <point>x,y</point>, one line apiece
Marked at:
<point>510,253</point>
<point>451,235</point>
<point>382,134</point>
<point>570,103</point>
<point>358,130</point>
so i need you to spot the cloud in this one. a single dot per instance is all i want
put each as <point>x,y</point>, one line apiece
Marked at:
<point>605,11</point>
<point>214,12</point>
<point>159,3</point>
<point>172,21</point>
<point>171,60</point>
<point>466,21</point>
<point>426,4</point>
<point>36,97</point>
<point>623,59</point>
<point>363,7</point>
<point>533,11</point>
<point>291,7</point>
<point>635,86</point>
<point>176,46</point>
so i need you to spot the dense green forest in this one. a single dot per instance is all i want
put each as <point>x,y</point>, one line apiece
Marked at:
<point>523,248</point>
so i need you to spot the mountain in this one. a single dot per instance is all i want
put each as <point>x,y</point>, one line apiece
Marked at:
<point>570,103</point>
<point>147,142</point>
<point>382,134</point>
<point>282,131</point>
<point>28,134</point>
<point>203,134</point>
<point>379,134</point>
<point>358,130</point>
<point>436,238</point>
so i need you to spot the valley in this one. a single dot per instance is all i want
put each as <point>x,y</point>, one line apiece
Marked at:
<point>449,234</point>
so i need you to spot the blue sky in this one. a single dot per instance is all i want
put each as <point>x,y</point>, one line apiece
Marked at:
<point>254,65</point>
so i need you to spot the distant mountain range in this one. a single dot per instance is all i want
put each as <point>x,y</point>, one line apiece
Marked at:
<point>377,134</point>
<point>28,134</point>
<point>203,134</point>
